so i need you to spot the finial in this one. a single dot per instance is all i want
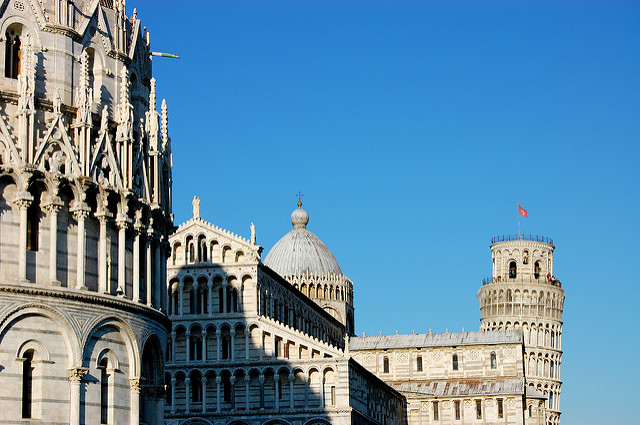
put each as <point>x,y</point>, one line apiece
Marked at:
<point>300,195</point>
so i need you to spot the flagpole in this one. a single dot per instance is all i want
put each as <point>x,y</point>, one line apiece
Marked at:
<point>519,233</point>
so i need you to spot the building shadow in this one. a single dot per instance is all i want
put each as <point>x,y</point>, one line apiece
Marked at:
<point>247,347</point>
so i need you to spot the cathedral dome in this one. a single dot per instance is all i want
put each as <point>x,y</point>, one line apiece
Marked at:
<point>300,251</point>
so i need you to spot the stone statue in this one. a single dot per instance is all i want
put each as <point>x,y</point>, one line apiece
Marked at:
<point>57,102</point>
<point>196,207</point>
<point>104,119</point>
<point>253,233</point>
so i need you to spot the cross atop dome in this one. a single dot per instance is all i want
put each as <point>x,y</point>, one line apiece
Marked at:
<point>300,195</point>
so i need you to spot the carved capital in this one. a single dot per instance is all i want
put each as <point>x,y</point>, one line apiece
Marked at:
<point>135,385</point>
<point>218,379</point>
<point>233,380</point>
<point>123,222</point>
<point>80,210</point>
<point>103,216</point>
<point>23,200</point>
<point>53,207</point>
<point>76,374</point>
<point>292,377</point>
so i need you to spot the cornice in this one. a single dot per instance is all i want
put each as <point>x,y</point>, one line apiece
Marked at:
<point>87,297</point>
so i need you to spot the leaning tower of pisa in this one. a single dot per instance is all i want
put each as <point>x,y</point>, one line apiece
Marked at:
<point>523,294</point>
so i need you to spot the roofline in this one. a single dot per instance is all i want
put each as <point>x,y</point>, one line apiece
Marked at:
<point>365,371</point>
<point>272,273</point>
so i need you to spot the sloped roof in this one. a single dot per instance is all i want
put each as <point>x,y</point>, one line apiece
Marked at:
<point>381,342</point>
<point>461,388</point>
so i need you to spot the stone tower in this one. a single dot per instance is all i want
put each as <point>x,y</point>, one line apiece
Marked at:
<point>523,294</point>
<point>85,208</point>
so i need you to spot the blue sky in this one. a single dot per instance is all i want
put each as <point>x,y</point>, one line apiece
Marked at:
<point>413,129</point>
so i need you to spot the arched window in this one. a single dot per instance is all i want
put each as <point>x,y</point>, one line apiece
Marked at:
<point>419,363</point>
<point>192,301</point>
<point>12,54</point>
<point>196,389</point>
<point>494,361</point>
<point>385,365</point>
<point>33,225</point>
<point>104,391</point>
<point>478,409</point>
<point>226,347</point>
<point>455,362</point>
<point>512,270</point>
<point>27,383</point>
<point>232,301</point>
<point>536,269</point>
<point>196,348</point>
<point>176,300</point>
<point>227,391</point>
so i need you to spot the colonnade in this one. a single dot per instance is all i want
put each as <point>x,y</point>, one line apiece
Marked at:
<point>250,389</point>
<point>147,249</point>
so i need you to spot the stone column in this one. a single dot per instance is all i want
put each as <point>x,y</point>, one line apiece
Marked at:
<point>123,224</point>
<point>173,395</point>
<point>204,346</point>
<point>173,347</point>
<point>180,298</point>
<point>246,344</point>
<point>53,209</point>
<point>80,213</point>
<point>134,404</point>
<point>292,378</point>
<point>204,394</point>
<point>188,335</point>
<point>218,345</point>
<point>218,382</point>
<point>232,381</point>
<point>276,380</point>
<point>196,297</point>
<point>102,253</point>
<point>148,278</point>
<point>23,201</point>
<point>187,388</point>
<point>136,260</point>
<point>75,383</point>
<point>322,382</point>
<point>232,333</point>
<point>159,281</point>
<point>224,295</point>
<point>210,298</point>
<point>306,392</point>
<point>261,380</point>
<point>247,380</point>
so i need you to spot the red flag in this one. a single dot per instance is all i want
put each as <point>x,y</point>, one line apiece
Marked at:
<point>522,211</point>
